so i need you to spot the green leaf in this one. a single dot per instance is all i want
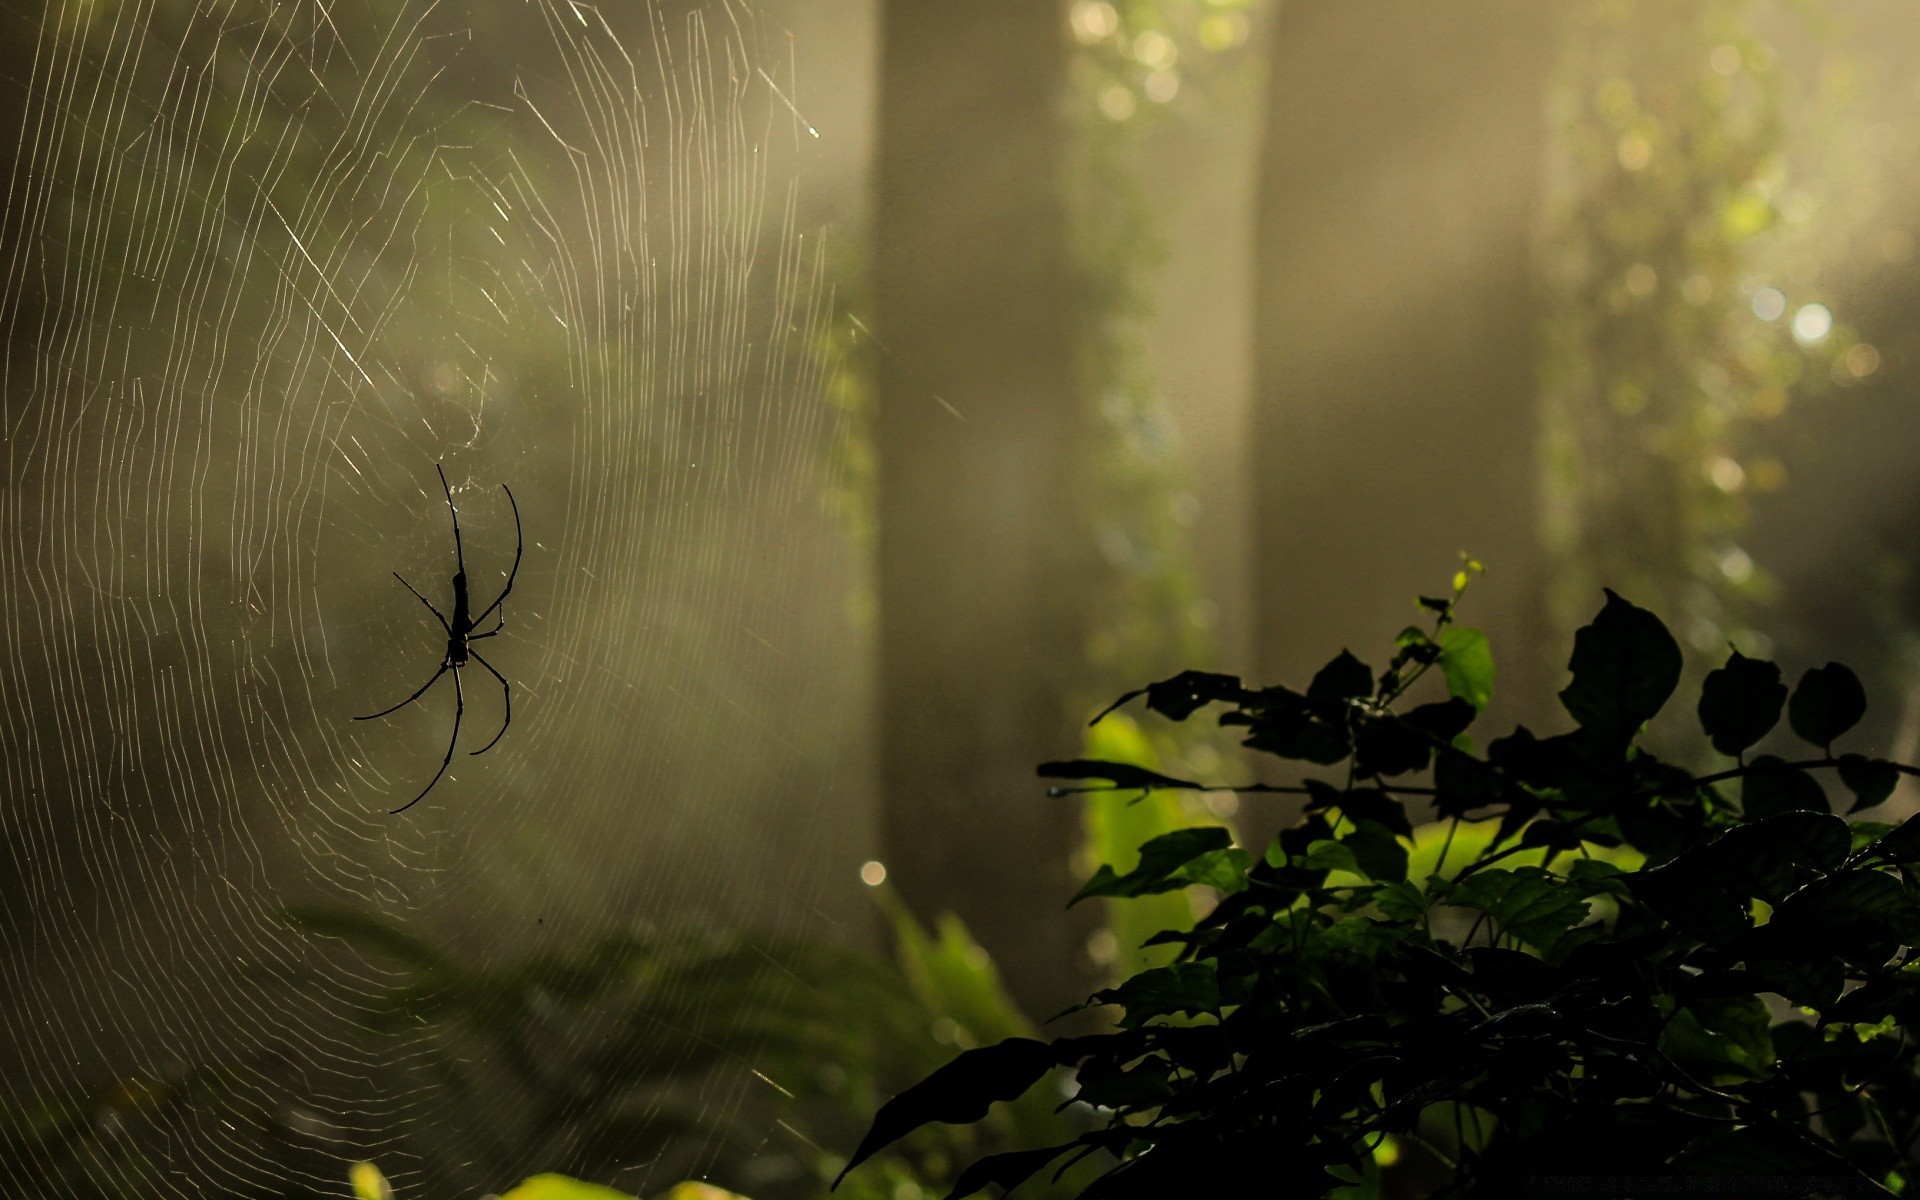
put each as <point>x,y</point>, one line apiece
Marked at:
<point>1401,901</point>
<point>1225,870</point>
<point>1379,854</point>
<point>1625,665</point>
<point>1740,703</point>
<point>1329,855</point>
<point>1871,780</point>
<point>959,1093</point>
<point>1530,904</point>
<point>368,1183</point>
<point>1467,662</point>
<point>1828,702</point>
<point>1160,862</point>
<point>1722,1038</point>
<point>1345,678</point>
<point>559,1187</point>
<point>1187,988</point>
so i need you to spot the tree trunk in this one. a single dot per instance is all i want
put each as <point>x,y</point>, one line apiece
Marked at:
<point>981,625</point>
<point>1396,400</point>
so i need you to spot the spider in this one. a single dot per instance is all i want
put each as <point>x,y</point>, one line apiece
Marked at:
<point>460,638</point>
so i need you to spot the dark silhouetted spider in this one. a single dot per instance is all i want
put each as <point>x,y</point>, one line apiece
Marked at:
<point>460,638</point>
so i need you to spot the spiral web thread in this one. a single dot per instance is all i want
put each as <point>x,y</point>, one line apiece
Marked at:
<point>265,266</point>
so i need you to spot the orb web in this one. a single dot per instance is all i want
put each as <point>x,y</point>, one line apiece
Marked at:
<point>266,266</point>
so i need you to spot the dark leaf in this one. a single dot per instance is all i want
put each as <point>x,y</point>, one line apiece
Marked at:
<point>1380,856</point>
<point>1901,845</point>
<point>1828,702</point>
<point>1462,783</point>
<point>1773,788</point>
<point>1703,909</point>
<point>1755,1151</point>
<point>1293,734</point>
<point>1815,983</point>
<point>1371,804</point>
<point>1861,915</point>
<point>1345,678</point>
<point>1121,775</point>
<point>1104,1083</point>
<point>1555,835</point>
<point>1760,858</point>
<point>1740,703</point>
<point>1390,745</point>
<point>1443,721</point>
<point>1871,780</point>
<point>1008,1170</point>
<point>1625,665</point>
<point>1180,696</point>
<point>959,1093</point>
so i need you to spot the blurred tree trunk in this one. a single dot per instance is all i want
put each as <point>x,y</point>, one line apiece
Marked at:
<point>982,616</point>
<point>1396,401</point>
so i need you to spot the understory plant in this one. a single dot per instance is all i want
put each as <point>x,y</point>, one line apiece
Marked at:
<point>1590,962</point>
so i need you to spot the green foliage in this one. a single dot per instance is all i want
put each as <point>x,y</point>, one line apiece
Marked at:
<point>1687,221</point>
<point>369,1184</point>
<point>598,1057</point>
<point>1595,962</point>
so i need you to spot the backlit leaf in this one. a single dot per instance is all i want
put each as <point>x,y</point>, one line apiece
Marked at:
<point>1740,703</point>
<point>1625,665</point>
<point>1467,662</point>
<point>1828,702</point>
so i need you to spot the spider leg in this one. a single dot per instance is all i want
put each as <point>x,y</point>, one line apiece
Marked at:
<point>410,699</point>
<point>459,709</point>
<point>459,555</point>
<point>506,690</point>
<point>519,545</point>
<point>438,615</point>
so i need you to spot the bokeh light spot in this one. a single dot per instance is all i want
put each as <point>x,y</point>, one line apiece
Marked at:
<point>1094,20</point>
<point>1155,50</point>
<point>1223,31</point>
<point>1726,474</point>
<point>1769,304</point>
<point>1812,324</point>
<point>1736,565</point>
<point>873,873</point>
<point>1635,152</point>
<point>1116,102</point>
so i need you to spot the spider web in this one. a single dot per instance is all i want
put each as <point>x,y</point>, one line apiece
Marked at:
<point>266,265</point>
